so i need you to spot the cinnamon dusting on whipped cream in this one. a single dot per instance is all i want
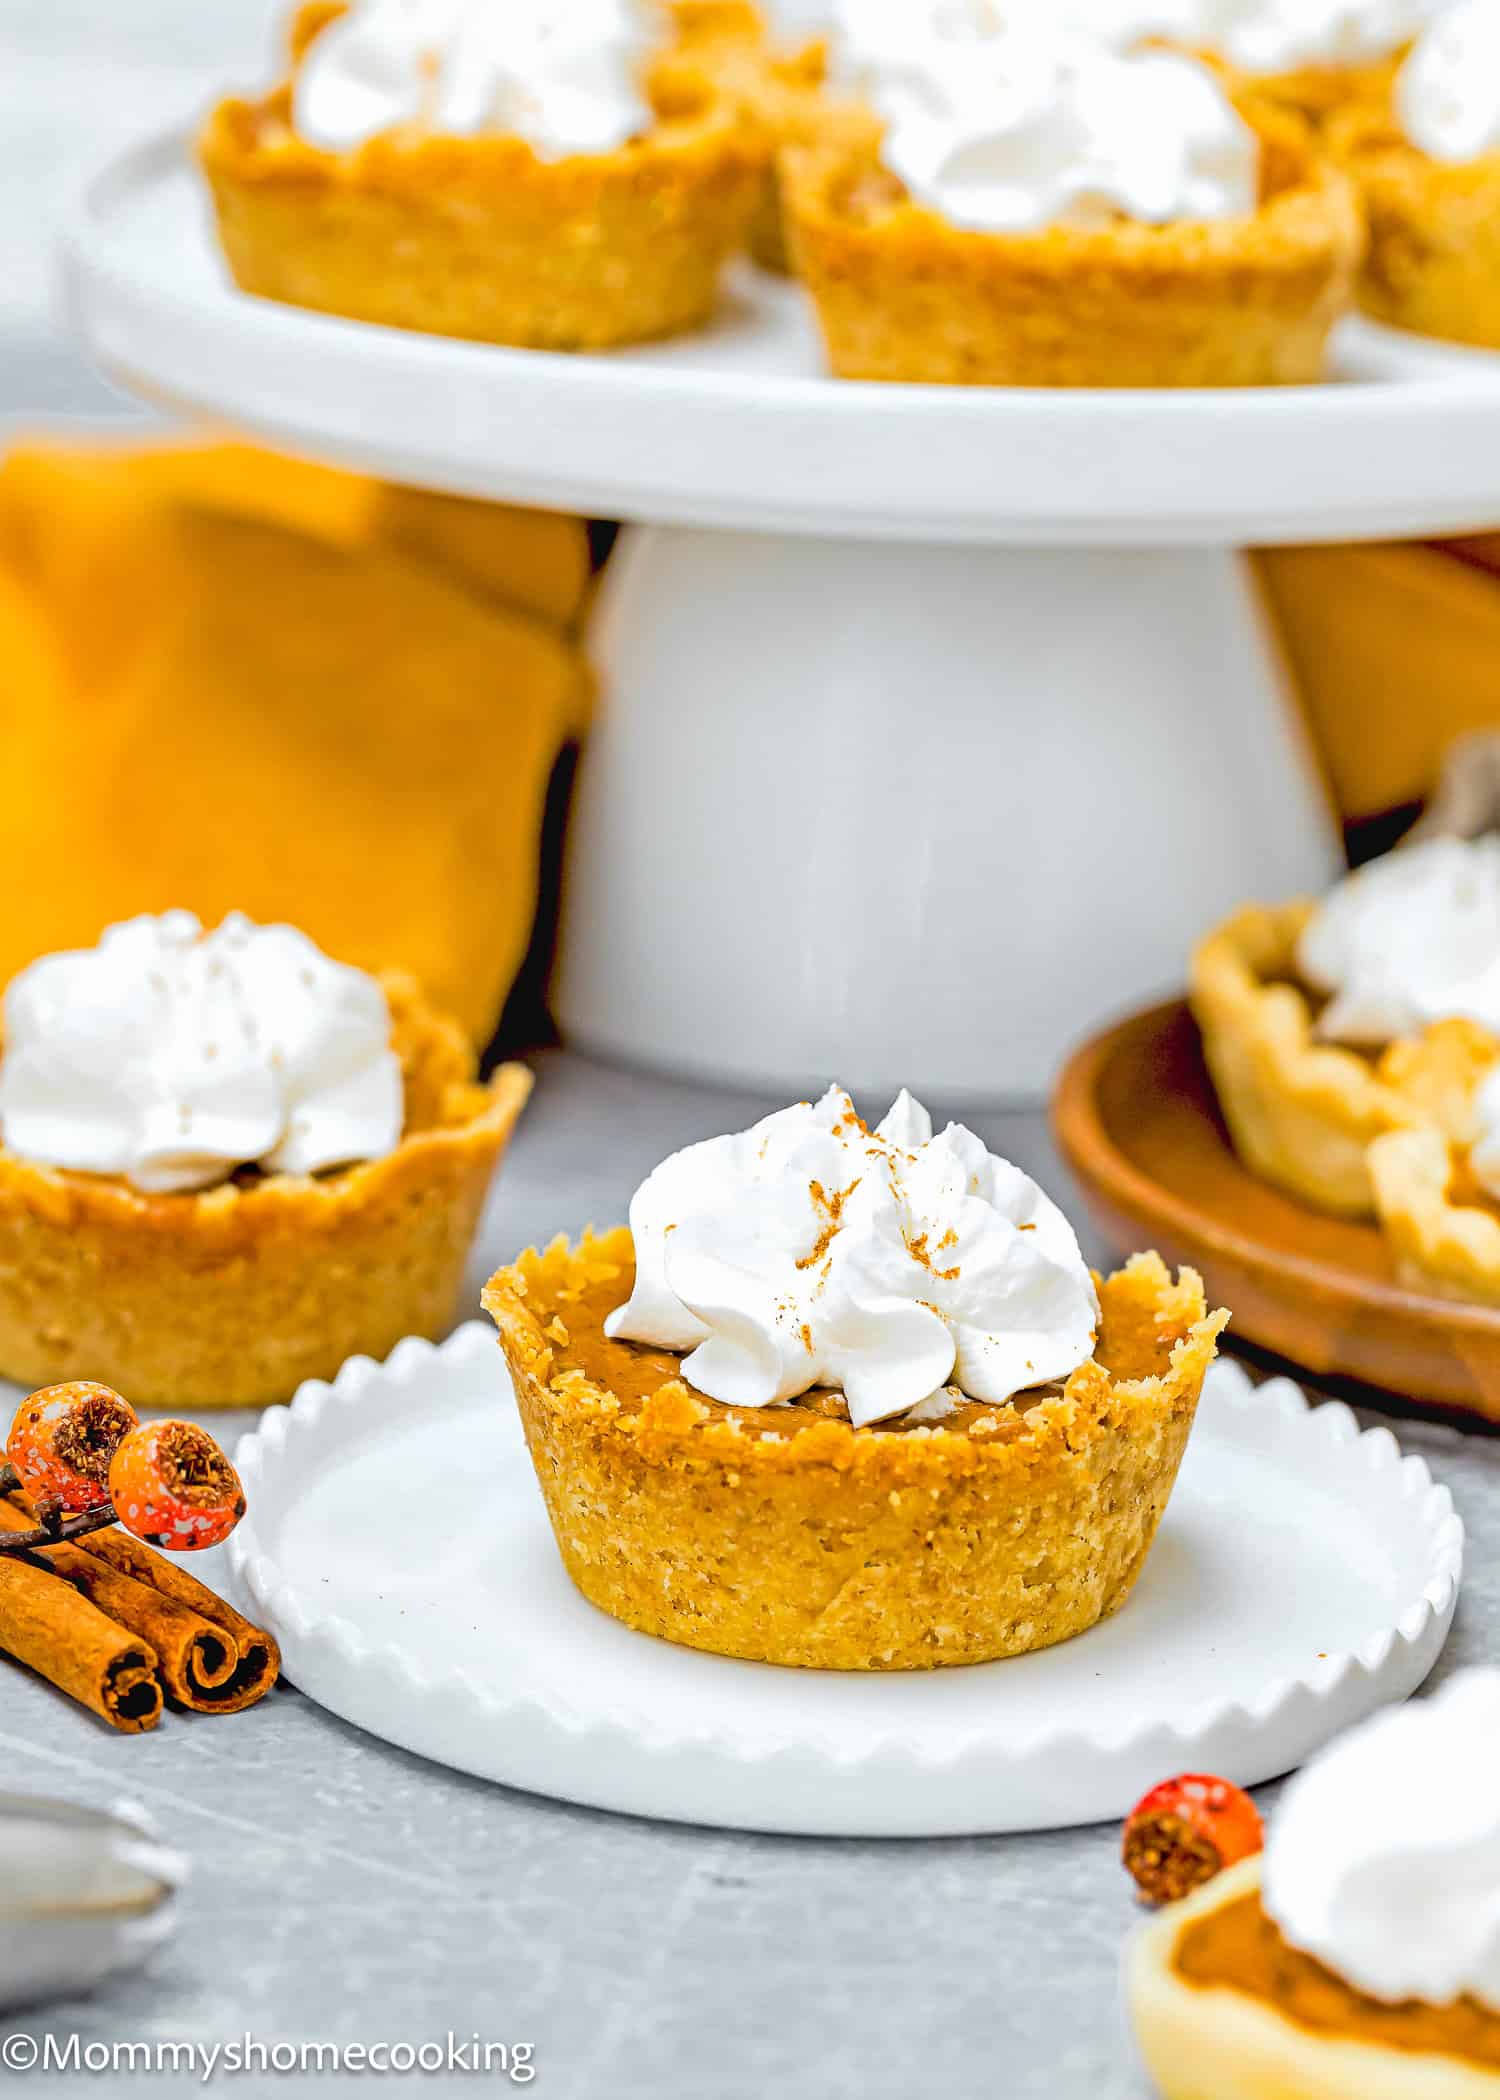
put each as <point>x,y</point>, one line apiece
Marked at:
<point>801,1254</point>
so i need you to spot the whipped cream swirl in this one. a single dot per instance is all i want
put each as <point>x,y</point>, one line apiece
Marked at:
<point>1448,92</point>
<point>874,40</point>
<point>565,75</point>
<point>1383,1860</point>
<point>811,1251</point>
<point>1004,124</point>
<point>1411,939</point>
<point>1284,36</point>
<point>170,1057</point>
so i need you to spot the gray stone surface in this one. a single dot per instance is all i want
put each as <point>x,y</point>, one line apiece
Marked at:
<point>346,1891</point>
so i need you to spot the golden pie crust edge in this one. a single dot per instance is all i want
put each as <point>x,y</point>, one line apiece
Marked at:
<point>232,1297</point>
<point>478,238</point>
<point>841,1549</point>
<point>779,89</point>
<point>902,295</point>
<point>1302,1114</point>
<point>1433,265</point>
<point>1440,1245</point>
<point>1218,2044</point>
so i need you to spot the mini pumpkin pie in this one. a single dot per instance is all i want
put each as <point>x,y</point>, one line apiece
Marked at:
<point>1426,158</point>
<point>229,1164</point>
<point>811,94</point>
<point>1360,1958</point>
<point>494,172</point>
<point>1315,57</point>
<point>1320,1020</point>
<point>1076,218</point>
<point>851,1400</point>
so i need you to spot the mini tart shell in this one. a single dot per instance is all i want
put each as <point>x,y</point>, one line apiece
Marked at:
<point>1213,2043</point>
<point>785,1536</point>
<point>1434,257</point>
<point>904,295</point>
<point>1302,1114</point>
<point>478,237</point>
<point>232,1297</point>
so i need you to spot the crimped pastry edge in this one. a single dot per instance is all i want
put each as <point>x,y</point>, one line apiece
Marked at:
<point>1302,1113</point>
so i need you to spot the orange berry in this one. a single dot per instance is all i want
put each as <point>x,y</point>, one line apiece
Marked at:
<point>63,1440</point>
<point>173,1487</point>
<point>1186,1831</point>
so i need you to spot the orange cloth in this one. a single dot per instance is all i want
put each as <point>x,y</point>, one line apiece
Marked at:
<point>238,681</point>
<point>1395,653</point>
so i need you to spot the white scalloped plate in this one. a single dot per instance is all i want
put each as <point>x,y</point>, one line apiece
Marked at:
<point>397,1546</point>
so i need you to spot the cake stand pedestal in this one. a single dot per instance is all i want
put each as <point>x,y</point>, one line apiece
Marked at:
<point>892,810</point>
<point>935,723</point>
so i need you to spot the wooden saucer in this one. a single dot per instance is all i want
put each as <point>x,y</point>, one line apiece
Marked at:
<point>1137,1121</point>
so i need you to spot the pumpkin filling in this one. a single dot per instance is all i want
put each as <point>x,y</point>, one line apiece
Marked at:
<point>1239,1948</point>
<point>632,1372</point>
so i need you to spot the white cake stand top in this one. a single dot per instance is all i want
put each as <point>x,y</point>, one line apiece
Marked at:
<point>739,427</point>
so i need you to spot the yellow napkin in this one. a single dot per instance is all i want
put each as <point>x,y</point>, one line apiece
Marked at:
<point>234,680</point>
<point>237,681</point>
<point>1395,653</point>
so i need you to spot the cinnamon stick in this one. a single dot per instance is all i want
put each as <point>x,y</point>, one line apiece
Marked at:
<point>259,1658</point>
<point>196,1657</point>
<point>47,1624</point>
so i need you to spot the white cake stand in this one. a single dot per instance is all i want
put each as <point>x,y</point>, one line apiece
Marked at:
<point>936,723</point>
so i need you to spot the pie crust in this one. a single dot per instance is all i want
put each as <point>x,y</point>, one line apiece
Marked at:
<point>231,1297</point>
<point>1434,257</point>
<point>779,91</point>
<point>902,294</point>
<point>1438,1073</point>
<point>784,1535</point>
<point>1445,1239</point>
<point>1302,1114</point>
<point>1216,2043</point>
<point>476,236</point>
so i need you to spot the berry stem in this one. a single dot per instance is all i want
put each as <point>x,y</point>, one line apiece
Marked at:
<point>28,1542</point>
